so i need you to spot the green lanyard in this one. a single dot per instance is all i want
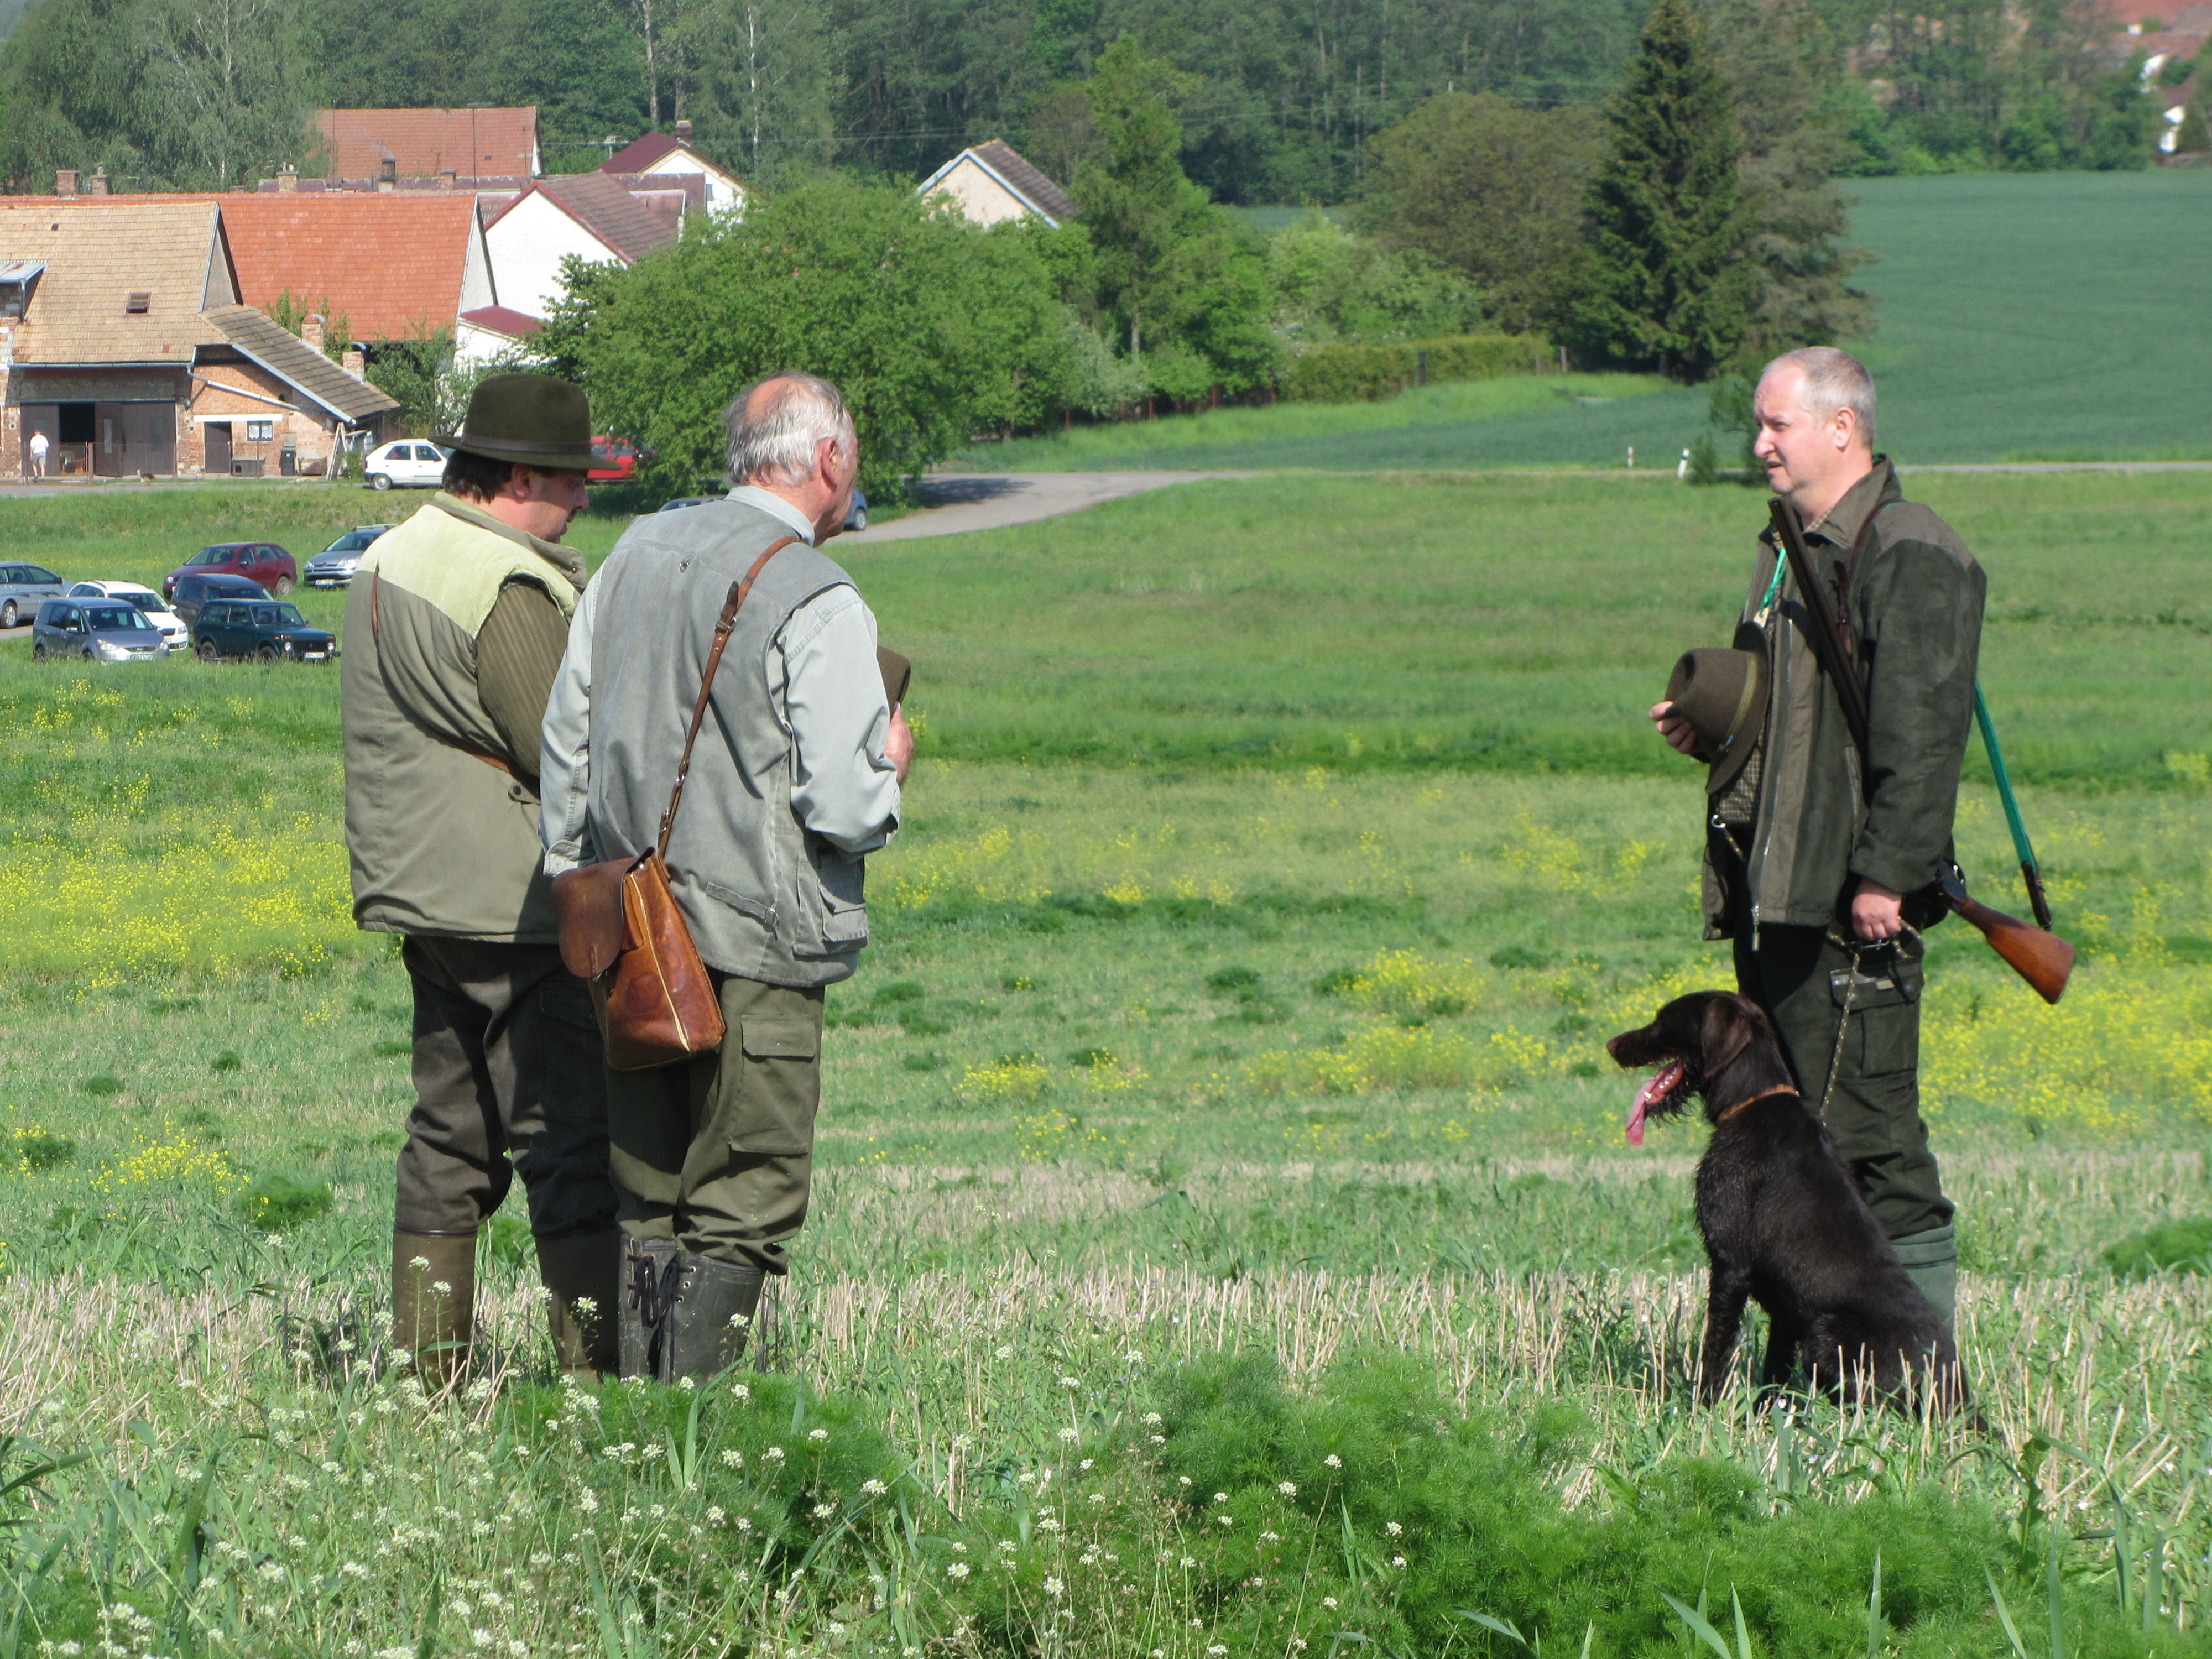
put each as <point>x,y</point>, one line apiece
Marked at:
<point>1766,604</point>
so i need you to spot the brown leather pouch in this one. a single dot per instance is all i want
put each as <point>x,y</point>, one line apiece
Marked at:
<point>621,929</point>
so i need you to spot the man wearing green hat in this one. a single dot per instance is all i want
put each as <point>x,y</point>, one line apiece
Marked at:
<point>455,626</point>
<point>1821,882</point>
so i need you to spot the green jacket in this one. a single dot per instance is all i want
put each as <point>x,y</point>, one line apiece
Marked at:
<point>444,840</point>
<point>1915,607</point>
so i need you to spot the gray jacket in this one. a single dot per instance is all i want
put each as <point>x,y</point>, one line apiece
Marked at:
<point>789,787</point>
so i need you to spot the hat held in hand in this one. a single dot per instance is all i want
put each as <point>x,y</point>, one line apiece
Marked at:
<point>1722,692</point>
<point>533,420</point>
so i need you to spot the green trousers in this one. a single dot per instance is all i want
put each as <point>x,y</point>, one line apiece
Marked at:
<point>718,1153</point>
<point>1802,978</point>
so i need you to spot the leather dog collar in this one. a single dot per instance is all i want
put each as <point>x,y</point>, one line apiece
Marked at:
<point>1726,1113</point>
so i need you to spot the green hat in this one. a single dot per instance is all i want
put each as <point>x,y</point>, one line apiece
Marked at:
<point>1722,692</point>
<point>533,420</point>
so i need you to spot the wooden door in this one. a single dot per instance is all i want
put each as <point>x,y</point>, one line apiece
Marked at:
<point>214,437</point>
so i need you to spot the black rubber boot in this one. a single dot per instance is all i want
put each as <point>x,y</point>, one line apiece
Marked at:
<point>715,1302</point>
<point>583,1275</point>
<point>648,1284</point>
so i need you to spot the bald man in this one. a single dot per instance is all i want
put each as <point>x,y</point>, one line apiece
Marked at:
<point>1823,888</point>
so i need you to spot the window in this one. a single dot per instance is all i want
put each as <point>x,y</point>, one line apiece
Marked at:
<point>32,572</point>
<point>138,303</point>
<point>258,432</point>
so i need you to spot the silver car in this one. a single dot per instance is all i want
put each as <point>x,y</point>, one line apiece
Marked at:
<point>334,566</point>
<point>23,588</point>
<point>98,631</point>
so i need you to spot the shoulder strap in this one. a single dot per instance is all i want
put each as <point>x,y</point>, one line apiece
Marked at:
<point>1844,572</point>
<point>735,603</point>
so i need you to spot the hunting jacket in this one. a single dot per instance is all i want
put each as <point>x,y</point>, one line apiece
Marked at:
<point>443,840</point>
<point>1914,603</point>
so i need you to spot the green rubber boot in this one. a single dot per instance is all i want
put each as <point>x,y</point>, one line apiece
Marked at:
<point>715,1304</point>
<point>1931,1261</point>
<point>649,1285</point>
<point>433,1301</point>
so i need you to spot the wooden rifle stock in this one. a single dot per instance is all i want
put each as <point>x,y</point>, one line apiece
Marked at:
<point>2043,959</point>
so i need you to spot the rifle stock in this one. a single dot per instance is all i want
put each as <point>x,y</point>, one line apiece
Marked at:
<point>2043,959</point>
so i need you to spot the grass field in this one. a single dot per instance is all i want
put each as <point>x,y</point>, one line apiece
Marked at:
<point>1223,1242</point>
<point>2046,316</point>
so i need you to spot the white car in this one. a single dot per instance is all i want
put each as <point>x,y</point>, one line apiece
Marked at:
<point>410,464</point>
<point>175,634</point>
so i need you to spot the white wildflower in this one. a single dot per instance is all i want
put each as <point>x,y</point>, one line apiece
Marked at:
<point>1288,1488</point>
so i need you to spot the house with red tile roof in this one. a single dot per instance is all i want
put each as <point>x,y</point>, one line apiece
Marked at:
<point>421,144</point>
<point>590,215</point>
<point>990,183</point>
<point>670,155</point>
<point>490,333</point>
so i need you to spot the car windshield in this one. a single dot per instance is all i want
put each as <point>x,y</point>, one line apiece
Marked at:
<point>143,601</point>
<point>351,543</point>
<point>272,616</point>
<point>116,619</point>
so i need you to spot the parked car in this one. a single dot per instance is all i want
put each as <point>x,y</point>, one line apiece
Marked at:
<point>157,610</point>
<point>98,631</point>
<point>262,563</point>
<point>614,461</point>
<point>855,519</point>
<point>195,592</point>
<point>334,566</point>
<point>268,629</point>
<point>410,464</point>
<point>23,588</point>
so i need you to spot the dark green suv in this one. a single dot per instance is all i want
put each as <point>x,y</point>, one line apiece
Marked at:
<point>267,628</point>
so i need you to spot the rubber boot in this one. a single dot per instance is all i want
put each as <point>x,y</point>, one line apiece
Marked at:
<point>433,1301</point>
<point>1931,1261</point>
<point>648,1284</point>
<point>715,1302</point>
<point>583,1274</point>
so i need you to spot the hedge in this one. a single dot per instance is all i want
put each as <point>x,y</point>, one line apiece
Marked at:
<point>1367,374</point>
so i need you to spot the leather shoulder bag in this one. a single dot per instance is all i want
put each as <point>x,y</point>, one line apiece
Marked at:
<point>621,930</point>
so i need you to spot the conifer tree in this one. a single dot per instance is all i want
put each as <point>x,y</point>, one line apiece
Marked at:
<point>1669,287</point>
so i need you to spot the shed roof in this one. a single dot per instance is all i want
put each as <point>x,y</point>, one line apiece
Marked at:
<point>1025,180</point>
<point>99,256</point>
<point>502,320</point>
<point>286,355</point>
<point>604,207</point>
<point>421,142</point>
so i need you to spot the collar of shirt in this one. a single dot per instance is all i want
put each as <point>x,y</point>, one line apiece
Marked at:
<point>568,562</point>
<point>1841,523</point>
<point>776,508</point>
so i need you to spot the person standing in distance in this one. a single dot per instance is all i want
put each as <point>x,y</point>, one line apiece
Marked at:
<point>795,780</point>
<point>38,454</point>
<point>455,627</point>
<point>1823,888</point>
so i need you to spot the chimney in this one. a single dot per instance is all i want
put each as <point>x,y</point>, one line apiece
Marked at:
<point>99,182</point>
<point>683,132</point>
<point>355,362</point>
<point>65,183</point>
<point>387,174</point>
<point>311,330</point>
<point>288,178</point>
<point>448,177</point>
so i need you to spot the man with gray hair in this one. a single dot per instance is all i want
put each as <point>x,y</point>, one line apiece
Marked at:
<point>795,780</point>
<point>1824,886</point>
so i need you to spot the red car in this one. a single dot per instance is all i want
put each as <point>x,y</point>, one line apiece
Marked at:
<point>614,461</point>
<point>264,563</point>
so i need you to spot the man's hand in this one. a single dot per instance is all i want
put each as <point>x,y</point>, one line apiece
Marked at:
<point>1673,727</point>
<point>898,745</point>
<point>1876,913</point>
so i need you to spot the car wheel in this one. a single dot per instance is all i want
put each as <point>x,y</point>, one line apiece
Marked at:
<point>205,652</point>
<point>283,585</point>
<point>379,481</point>
<point>859,521</point>
<point>86,654</point>
<point>8,615</point>
<point>38,651</point>
<point>266,653</point>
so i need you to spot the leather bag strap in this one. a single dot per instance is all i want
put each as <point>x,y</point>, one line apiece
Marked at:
<point>738,592</point>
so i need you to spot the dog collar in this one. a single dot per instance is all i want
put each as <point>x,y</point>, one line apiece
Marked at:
<point>1727,1113</point>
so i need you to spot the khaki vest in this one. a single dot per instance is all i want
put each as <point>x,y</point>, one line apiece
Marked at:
<point>442,841</point>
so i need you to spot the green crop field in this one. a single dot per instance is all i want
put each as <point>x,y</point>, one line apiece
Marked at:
<point>2043,316</point>
<point>1225,1244</point>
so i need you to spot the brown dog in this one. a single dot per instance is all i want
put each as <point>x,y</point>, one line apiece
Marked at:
<point>1783,1221</point>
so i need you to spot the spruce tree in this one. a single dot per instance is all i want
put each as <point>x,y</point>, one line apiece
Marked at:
<point>1670,286</point>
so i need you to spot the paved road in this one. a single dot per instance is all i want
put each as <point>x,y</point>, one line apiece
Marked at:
<point>989,500</point>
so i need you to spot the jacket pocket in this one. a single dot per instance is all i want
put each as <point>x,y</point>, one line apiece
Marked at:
<point>769,1106</point>
<point>1882,1026</point>
<point>840,918</point>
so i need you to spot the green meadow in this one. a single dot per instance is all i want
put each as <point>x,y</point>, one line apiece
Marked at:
<point>2021,316</point>
<point>1224,1242</point>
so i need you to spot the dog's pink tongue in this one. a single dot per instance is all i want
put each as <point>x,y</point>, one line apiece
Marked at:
<point>1654,1090</point>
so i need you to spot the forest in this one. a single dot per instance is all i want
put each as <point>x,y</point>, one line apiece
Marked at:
<point>1277,100</point>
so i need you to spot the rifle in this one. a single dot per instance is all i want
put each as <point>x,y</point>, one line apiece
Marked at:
<point>2037,955</point>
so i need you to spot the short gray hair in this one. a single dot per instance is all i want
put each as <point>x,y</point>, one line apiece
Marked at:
<point>1833,380</point>
<point>776,440</point>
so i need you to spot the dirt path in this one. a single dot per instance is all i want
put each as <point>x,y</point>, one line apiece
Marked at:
<point>989,500</point>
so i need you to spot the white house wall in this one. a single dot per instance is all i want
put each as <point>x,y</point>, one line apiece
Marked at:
<point>527,243</point>
<point>722,190</point>
<point>477,288</point>
<point>981,199</point>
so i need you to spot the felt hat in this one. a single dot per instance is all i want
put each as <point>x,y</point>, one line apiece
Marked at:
<point>898,672</point>
<point>1722,692</point>
<point>533,420</point>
